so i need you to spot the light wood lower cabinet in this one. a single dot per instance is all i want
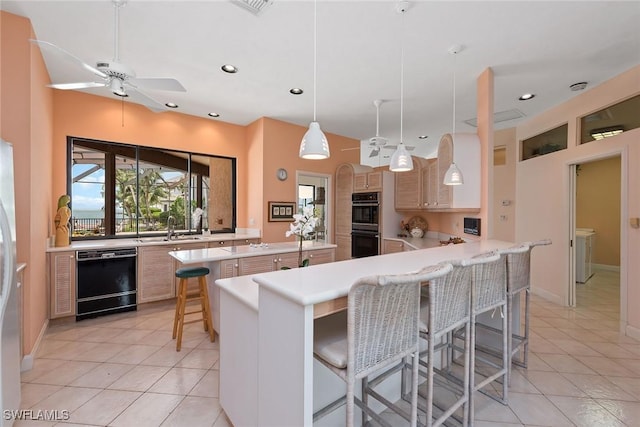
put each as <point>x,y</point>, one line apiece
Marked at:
<point>244,242</point>
<point>392,246</point>
<point>320,256</point>
<point>229,268</point>
<point>62,280</point>
<point>156,273</point>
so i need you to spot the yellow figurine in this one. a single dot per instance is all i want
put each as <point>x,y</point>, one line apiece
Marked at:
<point>62,221</point>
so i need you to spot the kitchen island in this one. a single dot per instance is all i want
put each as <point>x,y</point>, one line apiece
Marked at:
<point>267,373</point>
<point>232,261</point>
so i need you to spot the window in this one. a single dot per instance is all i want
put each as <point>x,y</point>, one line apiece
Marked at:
<point>545,143</point>
<point>120,190</point>
<point>610,121</point>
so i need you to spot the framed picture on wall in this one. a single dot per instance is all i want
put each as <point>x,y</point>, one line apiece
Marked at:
<point>281,211</point>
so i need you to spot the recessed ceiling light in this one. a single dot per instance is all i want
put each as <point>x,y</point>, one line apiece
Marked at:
<point>171,105</point>
<point>423,137</point>
<point>296,91</point>
<point>526,96</point>
<point>213,115</point>
<point>228,68</point>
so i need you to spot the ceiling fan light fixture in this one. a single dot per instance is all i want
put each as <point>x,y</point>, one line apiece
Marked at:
<point>116,87</point>
<point>453,176</point>
<point>314,145</point>
<point>401,160</point>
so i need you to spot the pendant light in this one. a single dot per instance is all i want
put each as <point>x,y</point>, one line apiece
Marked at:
<point>453,176</point>
<point>401,159</point>
<point>314,144</point>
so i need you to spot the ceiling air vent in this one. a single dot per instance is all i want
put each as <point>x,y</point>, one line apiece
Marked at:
<point>500,116</point>
<point>254,6</point>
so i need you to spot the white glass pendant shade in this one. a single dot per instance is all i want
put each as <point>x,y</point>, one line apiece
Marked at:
<point>453,176</point>
<point>401,160</point>
<point>314,144</point>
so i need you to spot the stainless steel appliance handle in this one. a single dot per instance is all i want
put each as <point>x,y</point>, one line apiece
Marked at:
<point>108,255</point>
<point>366,204</point>
<point>8,256</point>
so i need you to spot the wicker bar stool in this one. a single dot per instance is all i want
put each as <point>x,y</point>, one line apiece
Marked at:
<point>380,331</point>
<point>447,311</point>
<point>518,280</point>
<point>181,303</point>
<point>488,293</point>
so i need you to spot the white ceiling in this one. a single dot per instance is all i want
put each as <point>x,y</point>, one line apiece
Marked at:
<point>532,46</point>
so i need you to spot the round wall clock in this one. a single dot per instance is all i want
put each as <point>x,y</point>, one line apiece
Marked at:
<point>282,174</point>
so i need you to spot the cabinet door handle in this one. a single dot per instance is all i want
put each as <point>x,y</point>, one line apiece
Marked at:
<point>275,260</point>
<point>310,255</point>
<point>235,265</point>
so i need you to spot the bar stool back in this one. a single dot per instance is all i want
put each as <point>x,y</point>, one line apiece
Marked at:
<point>518,280</point>
<point>488,293</point>
<point>381,330</point>
<point>181,303</point>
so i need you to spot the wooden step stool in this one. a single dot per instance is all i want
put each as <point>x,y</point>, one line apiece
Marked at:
<point>184,274</point>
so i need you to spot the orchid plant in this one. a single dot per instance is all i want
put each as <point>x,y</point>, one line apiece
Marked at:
<point>303,226</point>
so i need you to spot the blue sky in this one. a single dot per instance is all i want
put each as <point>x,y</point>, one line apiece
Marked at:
<point>85,195</point>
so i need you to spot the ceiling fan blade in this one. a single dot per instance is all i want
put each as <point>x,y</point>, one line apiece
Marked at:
<point>375,152</point>
<point>153,83</point>
<point>72,86</point>
<point>61,52</point>
<point>144,99</point>
<point>393,147</point>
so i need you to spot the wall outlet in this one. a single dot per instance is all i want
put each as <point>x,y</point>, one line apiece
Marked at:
<point>252,221</point>
<point>503,217</point>
<point>506,202</point>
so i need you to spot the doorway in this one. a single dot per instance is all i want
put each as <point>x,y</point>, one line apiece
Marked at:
<point>597,234</point>
<point>313,189</point>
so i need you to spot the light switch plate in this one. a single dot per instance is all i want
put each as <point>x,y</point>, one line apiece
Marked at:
<point>634,222</point>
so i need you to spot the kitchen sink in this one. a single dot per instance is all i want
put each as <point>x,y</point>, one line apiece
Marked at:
<point>165,239</point>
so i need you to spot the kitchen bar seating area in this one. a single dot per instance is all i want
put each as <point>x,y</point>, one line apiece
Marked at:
<point>289,386</point>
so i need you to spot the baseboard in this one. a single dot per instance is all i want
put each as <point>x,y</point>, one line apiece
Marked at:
<point>632,332</point>
<point>27,359</point>
<point>605,267</point>
<point>547,295</point>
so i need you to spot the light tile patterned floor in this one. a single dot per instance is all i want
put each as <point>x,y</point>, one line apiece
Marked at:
<point>123,370</point>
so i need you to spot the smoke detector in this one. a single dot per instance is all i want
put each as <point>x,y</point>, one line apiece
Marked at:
<point>578,86</point>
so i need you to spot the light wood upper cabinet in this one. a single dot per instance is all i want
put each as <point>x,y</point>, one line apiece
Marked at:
<point>464,151</point>
<point>408,186</point>
<point>62,279</point>
<point>423,187</point>
<point>364,182</point>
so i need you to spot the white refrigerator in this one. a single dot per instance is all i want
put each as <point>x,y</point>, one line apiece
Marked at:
<point>9,324</point>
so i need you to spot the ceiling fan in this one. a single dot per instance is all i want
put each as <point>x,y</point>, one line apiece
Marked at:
<point>114,75</point>
<point>377,142</point>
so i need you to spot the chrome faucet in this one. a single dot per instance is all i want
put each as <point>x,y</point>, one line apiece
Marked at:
<point>171,227</point>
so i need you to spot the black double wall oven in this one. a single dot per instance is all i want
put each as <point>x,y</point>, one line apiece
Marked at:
<point>365,224</point>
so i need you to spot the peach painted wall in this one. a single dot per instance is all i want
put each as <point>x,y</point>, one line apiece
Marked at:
<point>26,123</point>
<point>598,207</point>
<point>281,143</point>
<point>504,188</point>
<point>96,117</point>
<point>255,167</point>
<point>543,192</point>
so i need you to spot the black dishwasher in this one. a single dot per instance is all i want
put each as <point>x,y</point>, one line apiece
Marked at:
<point>105,282</point>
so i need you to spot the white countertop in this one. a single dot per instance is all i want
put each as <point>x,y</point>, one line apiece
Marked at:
<point>195,256</point>
<point>243,288</point>
<point>324,282</point>
<point>151,241</point>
